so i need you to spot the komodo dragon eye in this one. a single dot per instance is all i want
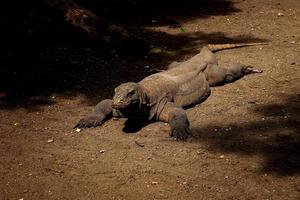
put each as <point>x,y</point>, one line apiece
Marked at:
<point>130,94</point>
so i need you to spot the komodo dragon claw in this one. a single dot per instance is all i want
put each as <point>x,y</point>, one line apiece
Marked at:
<point>251,70</point>
<point>180,133</point>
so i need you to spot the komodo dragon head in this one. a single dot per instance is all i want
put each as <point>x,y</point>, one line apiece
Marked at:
<point>128,95</point>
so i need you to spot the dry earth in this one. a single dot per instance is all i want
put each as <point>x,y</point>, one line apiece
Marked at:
<point>247,134</point>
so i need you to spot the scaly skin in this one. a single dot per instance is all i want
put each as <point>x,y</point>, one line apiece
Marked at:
<point>163,96</point>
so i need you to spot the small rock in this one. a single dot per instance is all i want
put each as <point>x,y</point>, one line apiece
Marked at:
<point>147,67</point>
<point>154,183</point>
<point>280,14</point>
<point>293,42</point>
<point>102,151</point>
<point>16,124</point>
<point>199,152</point>
<point>139,143</point>
<point>78,130</point>
<point>222,156</point>
<point>50,140</point>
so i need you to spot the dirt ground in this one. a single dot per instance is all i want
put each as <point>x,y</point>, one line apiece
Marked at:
<point>246,142</point>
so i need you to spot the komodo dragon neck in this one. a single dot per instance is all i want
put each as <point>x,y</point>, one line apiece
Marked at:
<point>154,100</point>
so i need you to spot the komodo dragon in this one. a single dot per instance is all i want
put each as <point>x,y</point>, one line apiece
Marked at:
<point>164,95</point>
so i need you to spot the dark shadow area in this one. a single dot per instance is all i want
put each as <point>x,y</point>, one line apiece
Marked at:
<point>277,137</point>
<point>134,13</point>
<point>133,126</point>
<point>41,55</point>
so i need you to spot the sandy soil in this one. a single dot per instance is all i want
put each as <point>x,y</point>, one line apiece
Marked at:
<point>246,144</point>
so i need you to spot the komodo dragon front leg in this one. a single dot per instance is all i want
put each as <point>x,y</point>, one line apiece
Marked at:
<point>102,112</point>
<point>177,119</point>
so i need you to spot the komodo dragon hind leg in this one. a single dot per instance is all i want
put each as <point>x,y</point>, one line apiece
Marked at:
<point>177,119</point>
<point>101,112</point>
<point>219,76</point>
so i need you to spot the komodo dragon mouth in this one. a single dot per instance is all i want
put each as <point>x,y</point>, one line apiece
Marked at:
<point>122,105</point>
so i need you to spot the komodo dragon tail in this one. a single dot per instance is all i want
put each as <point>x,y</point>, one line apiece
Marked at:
<point>219,47</point>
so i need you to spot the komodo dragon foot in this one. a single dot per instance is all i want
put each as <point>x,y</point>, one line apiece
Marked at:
<point>180,133</point>
<point>179,125</point>
<point>89,121</point>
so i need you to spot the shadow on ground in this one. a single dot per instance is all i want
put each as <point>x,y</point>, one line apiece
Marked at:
<point>41,55</point>
<point>147,13</point>
<point>277,137</point>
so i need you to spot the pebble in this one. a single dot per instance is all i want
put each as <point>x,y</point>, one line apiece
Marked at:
<point>222,156</point>
<point>154,183</point>
<point>50,140</point>
<point>280,14</point>
<point>228,129</point>
<point>102,151</point>
<point>78,130</point>
<point>139,143</point>
<point>199,152</point>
